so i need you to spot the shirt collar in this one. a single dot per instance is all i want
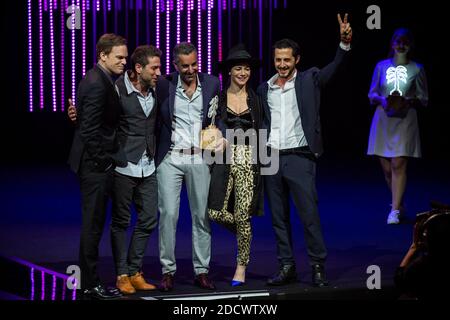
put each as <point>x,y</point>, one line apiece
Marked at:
<point>129,85</point>
<point>180,85</point>
<point>271,81</point>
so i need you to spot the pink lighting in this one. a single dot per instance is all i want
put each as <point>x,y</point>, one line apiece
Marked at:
<point>158,11</point>
<point>167,36</point>
<point>179,8</point>
<point>73,57</point>
<point>190,7</point>
<point>209,44</point>
<point>41,58</point>
<point>32,283</point>
<point>52,56</point>
<point>83,37</point>
<point>30,58</point>
<point>199,35</point>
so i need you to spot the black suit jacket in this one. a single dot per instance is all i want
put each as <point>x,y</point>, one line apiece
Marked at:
<point>165,93</point>
<point>308,85</point>
<point>98,111</point>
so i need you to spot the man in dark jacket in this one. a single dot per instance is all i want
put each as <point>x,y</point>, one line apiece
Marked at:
<point>96,152</point>
<point>291,102</point>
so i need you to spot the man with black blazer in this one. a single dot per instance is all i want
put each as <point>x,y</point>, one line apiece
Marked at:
<point>185,97</point>
<point>96,152</point>
<point>136,183</point>
<point>291,101</point>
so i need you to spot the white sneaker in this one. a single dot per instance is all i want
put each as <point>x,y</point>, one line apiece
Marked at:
<point>393,217</point>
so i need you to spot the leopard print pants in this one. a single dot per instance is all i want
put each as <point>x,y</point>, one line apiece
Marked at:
<point>241,180</point>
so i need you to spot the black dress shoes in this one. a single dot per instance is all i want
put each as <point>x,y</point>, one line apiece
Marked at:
<point>286,275</point>
<point>101,293</point>
<point>319,278</point>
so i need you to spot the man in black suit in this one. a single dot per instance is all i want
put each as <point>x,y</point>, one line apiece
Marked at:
<point>291,101</point>
<point>96,152</point>
<point>136,183</point>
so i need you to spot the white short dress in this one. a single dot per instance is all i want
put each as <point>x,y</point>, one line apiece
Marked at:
<point>396,137</point>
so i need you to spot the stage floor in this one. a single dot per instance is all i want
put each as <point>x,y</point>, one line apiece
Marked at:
<point>41,223</point>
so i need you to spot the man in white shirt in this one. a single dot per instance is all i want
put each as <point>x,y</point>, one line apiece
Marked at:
<point>291,102</point>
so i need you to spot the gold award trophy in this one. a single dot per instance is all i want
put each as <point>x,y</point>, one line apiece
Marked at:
<point>211,134</point>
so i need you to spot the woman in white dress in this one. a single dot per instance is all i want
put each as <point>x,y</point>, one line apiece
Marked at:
<point>398,87</point>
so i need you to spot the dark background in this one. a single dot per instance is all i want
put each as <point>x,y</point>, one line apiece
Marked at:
<point>45,137</point>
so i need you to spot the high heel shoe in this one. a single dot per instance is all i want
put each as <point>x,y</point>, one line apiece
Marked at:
<point>237,283</point>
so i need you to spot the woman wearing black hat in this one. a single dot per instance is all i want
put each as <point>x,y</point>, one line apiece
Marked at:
<point>235,192</point>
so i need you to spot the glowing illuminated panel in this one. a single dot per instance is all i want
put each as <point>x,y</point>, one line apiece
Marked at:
<point>396,75</point>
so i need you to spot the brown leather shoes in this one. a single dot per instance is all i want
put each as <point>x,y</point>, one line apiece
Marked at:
<point>166,282</point>
<point>139,283</point>
<point>202,281</point>
<point>124,285</point>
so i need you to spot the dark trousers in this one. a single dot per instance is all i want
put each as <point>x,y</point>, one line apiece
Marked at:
<point>143,192</point>
<point>296,176</point>
<point>95,190</point>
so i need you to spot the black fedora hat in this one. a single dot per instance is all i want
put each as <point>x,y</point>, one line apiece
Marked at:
<point>237,55</point>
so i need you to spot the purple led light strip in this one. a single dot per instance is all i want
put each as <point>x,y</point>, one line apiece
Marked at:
<point>158,10</point>
<point>219,35</point>
<point>32,284</point>
<point>209,53</point>
<point>30,57</point>
<point>179,8</point>
<point>94,30</point>
<point>44,271</point>
<point>73,57</point>
<point>53,288</point>
<point>260,14</point>
<point>52,54</point>
<point>167,36</point>
<point>42,285</point>
<point>41,59</point>
<point>199,35</point>
<point>105,10</point>
<point>63,27</point>
<point>189,8</point>
<point>137,9</point>
<point>83,37</point>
